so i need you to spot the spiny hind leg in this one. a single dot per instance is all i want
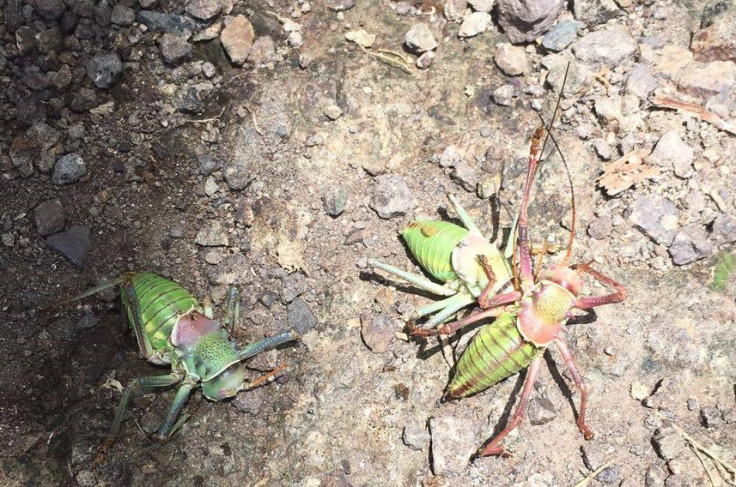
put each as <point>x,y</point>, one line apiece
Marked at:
<point>588,433</point>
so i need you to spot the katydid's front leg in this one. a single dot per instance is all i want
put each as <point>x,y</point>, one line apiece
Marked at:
<point>591,302</point>
<point>266,344</point>
<point>232,313</point>
<point>168,427</point>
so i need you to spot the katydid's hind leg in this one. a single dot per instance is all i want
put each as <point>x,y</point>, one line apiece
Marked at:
<point>464,217</point>
<point>588,433</point>
<point>232,311</point>
<point>419,281</point>
<point>134,385</point>
<point>493,447</point>
<point>260,380</point>
<point>134,311</point>
<point>450,328</point>
<point>170,424</point>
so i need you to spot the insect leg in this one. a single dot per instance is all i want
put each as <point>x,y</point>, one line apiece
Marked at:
<point>464,217</point>
<point>167,427</point>
<point>233,308</point>
<point>483,300</point>
<point>260,380</point>
<point>580,384</point>
<point>593,301</point>
<point>419,281</point>
<point>134,311</point>
<point>267,343</point>
<point>492,448</point>
<point>451,328</point>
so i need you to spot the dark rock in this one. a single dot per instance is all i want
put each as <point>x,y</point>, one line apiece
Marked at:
<point>68,169</point>
<point>724,229</point>
<point>50,9</point>
<point>50,41</point>
<point>300,317</point>
<point>208,164</point>
<point>14,15</point>
<point>85,99</point>
<point>122,15</point>
<point>334,200</point>
<point>49,217</point>
<point>541,411</point>
<point>104,69</point>
<point>174,49</point>
<point>690,244</point>
<point>25,39</point>
<point>292,286</point>
<point>74,244</point>
<point>68,22</point>
<point>30,110</point>
<point>594,12</point>
<point>179,25</point>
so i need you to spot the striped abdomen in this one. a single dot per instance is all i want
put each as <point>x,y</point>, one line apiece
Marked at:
<point>161,303</point>
<point>496,352</point>
<point>432,242</point>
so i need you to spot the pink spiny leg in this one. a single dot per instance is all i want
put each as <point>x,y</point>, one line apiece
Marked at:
<point>593,301</point>
<point>493,447</point>
<point>486,302</point>
<point>450,328</point>
<point>580,384</point>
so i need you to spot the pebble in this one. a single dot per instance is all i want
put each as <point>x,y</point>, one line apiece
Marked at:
<point>263,51</point>
<point>43,135</point>
<point>672,153</point>
<point>640,81</point>
<point>451,157</point>
<point>474,24</point>
<point>541,411</point>
<point>74,244</point>
<point>420,39</point>
<point>425,60</point>
<point>211,234</point>
<point>173,24</point>
<point>416,436</point>
<point>332,111</point>
<point>716,40</point>
<point>84,99</point>
<point>340,5</point>
<point>639,391</point>
<point>86,478</point>
<point>210,186</point>
<point>655,476</point>
<point>50,9</point>
<point>292,286</point>
<point>49,217</point>
<point>503,95</point>
<point>122,15</point>
<point>68,169</point>
<point>334,200</point>
<point>691,243</point>
<point>511,59</point>
<point>668,442</point>
<point>391,196</point>
<point>466,175</point>
<point>481,5</point>
<point>253,401</point>
<point>693,404</point>
<point>602,149</point>
<point>657,217</point>
<point>208,164</point>
<point>102,14</point>
<point>561,35</point>
<point>453,443</point>
<point>229,271</point>
<point>609,475</point>
<point>174,49</point>
<point>595,12</point>
<point>674,481</point>
<point>237,174</point>
<point>707,79</point>
<point>523,21</point>
<point>104,69</point>
<point>711,417</point>
<point>25,40</point>
<point>377,331</point>
<point>594,455</point>
<point>300,317</point>
<point>362,38</point>
<point>8,239</point>
<point>203,9</point>
<point>610,47</point>
<point>724,229</point>
<point>30,110</point>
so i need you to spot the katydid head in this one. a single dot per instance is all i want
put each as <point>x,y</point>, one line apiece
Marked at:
<point>226,384</point>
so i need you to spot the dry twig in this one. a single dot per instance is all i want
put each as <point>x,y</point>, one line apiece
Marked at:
<point>626,172</point>
<point>696,110</point>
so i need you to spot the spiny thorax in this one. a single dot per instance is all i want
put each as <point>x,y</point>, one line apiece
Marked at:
<point>544,311</point>
<point>203,345</point>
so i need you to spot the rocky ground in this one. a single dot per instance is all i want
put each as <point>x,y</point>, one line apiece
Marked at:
<point>277,145</point>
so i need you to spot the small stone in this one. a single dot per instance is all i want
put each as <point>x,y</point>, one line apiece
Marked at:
<point>503,95</point>
<point>594,455</point>
<point>203,9</point>
<point>228,272</point>
<point>691,243</point>
<point>86,478</point>
<point>420,39</point>
<point>179,25</point>
<point>609,475</point>
<point>541,411</point>
<point>668,442</point>
<point>174,49</point>
<point>68,169</point>
<point>238,174</point>
<point>602,148</point>
<point>208,164</point>
<point>425,60</point>
<point>30,110</point>
<point>474,24</point>
<point>481,5</point>
<point>263,51</point>
<point>724,229</point>
<point>210,186</point>
<point>672,153</point>
<point>640,81</point>
<point>561,35</point>
<point>451,157</point>
<point>595,12</point>
<point>122,15</point>
<point>252,402</point>
<point>8,239</point>
<point>693,404</point>
<point>416,436</point>
<point>391,196</point>
<point>74,244</point>
<point>711,417</point>
<point>361,38</point>
<point>377,331</point>
<point>103,13</point>
<point>707,79</point>
<point>83,100</point>
<point>340,5</point>
<point>43,135</point>
<point>50,41</point>
<point>292,286</point>
<point>466,175</point>
<point>25,39</point>
<point>639,391</point>
<point>332,111</point>
<point>525,20</point>
<point>237,39</point>
<point>657,217</point>
<point>334,200</point>
<point>211,234</point>
<point>295,40</point>
<point>510,59</point>
<point>610,47</point>
<point>49,217</point>
<point>268,298</point>
<point>655,476</point>
<point>300,317</point>
<point>674,481</point>
<point>50,9</point>
<point>104,69</point>
<point>453,443</point>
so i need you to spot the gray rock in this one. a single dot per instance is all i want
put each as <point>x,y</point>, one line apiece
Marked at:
<point>674,481</point>
<point>466,175</point>
<point>391,196</point>
<point>49,217</point>
<point>229,271</point>
<point>510,59</point>
<point>263,50</point>
<point>211,234</point>
<point>610,47</point>
<point>340,5</point>
<point>641,82</point>
<point>203,9</point>
<point>237,39</point>
<point>503,95</point>
<point>525,20</point>
<point>415,436</point>
<point>668,442</point>
<point>30,110</point>
<point>541,411</point>
<point>292,286</point>
<point>377,331</point>
<point>25,39</point>
<point>193,98</point>
<point>690,244</point>
<point>300,317</point>
<point>707,79</point>
<point>35,79</point>
<point>334,200</point>
<point>122,15</point>
<point>74,244</point>
<point>43,136</point>
<point>420,39</point>
<point>655,476</point>
<point>594,12</point>
<point>104,69</point>
<point>609,475</point>
<point>579,77</point>
<point>711,417</point>
<point>724,229</point>
<point>451,157</point>
<point>672,153</point>
<point>601,227</point>
<point>253,401</point>
<point>50,9</point>
<point>174,49</point>
<point>179,25</point>
<point>453,443</point>
<point>602,148</point>
<point>693,404</point>
<point>332,111</point>
<point>594,455</point>
<point>68,169</point>
<point>238,174</point>
<point>474,24</point>
<point>208,164</point>
<point>83,100</point>
<point>657,217</point>
<point>49,41</point>
<point>561,35</point>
